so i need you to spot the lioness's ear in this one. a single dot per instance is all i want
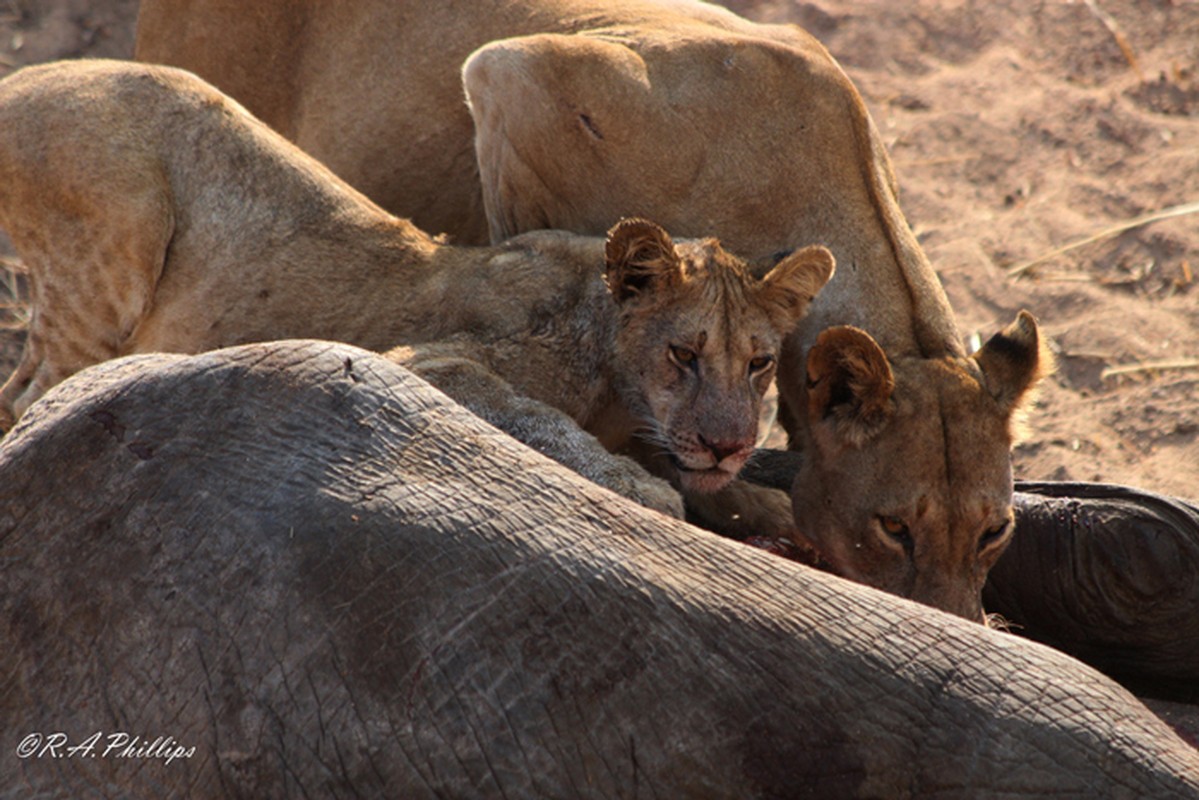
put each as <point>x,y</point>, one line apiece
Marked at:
<point>1013,361</point>
<point>789,288</point>
<point>850,382</point>
<point>639,257</point>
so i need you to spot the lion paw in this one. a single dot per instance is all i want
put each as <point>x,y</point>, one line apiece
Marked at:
<point>628,478</point>
<point>660,496</point>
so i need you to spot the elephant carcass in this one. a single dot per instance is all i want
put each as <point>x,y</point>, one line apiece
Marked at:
<point>1106,573</point>
<point>309,573</point>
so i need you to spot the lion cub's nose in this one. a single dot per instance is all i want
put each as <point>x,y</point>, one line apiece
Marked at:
<point>723,448</point>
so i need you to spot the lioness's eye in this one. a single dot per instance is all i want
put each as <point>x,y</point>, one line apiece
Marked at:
<point>897,529</point>
<point>759,363</point>
<point>683,356</point>
<point>993,535</point>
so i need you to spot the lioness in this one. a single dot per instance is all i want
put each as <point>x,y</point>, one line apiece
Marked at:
<point>155,214</point>
<point>587,110</point>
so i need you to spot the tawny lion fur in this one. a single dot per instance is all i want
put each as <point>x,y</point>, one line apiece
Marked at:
<point>155,214</point>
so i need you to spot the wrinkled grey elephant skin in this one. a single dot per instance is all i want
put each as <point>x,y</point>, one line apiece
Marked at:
<point>1109,574</point>
<point>331,581</point>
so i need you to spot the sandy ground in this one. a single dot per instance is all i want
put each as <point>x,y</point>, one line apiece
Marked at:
<point>1018,128</point>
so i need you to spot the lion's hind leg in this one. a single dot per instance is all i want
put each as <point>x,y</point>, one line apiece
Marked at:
<point>86,199</point>
<point>92,278</point>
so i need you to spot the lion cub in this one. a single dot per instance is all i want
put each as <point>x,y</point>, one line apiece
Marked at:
<point>156,214</point>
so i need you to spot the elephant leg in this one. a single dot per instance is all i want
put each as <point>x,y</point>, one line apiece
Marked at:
<point>454,370</point>
<point>1107,574</point>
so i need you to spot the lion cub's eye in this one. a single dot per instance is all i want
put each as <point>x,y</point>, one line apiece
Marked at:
<point>684,357</point>
<point>897,529</point>
<point>759,363</point>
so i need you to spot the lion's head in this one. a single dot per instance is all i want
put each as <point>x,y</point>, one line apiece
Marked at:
<point>698,340</point>
<point>907,483</point>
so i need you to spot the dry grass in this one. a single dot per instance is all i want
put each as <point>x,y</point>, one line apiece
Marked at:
<point>1171,364</point>
<point>1109,22</point>
<point>14,295</point>
<point>1118,228</point>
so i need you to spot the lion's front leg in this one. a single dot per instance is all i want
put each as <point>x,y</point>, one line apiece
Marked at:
<point>742,509</point>
<point>542,427</point>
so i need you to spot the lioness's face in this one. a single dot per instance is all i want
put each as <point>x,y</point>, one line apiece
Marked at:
<point>906,482</point>
<point>698,343</point>
<point>922,509</point>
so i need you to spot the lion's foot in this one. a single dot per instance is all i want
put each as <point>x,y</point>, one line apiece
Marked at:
<point>628,478</point>
<point>743,509</point>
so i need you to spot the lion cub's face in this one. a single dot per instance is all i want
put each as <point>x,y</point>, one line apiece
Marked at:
<point>907,483</point>
<point>698,342</point>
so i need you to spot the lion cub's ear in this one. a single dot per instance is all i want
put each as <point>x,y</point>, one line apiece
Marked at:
<point>639,255</point>
<point>1013,361</point>
<point>789,288</point>
<point>849,384</point>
